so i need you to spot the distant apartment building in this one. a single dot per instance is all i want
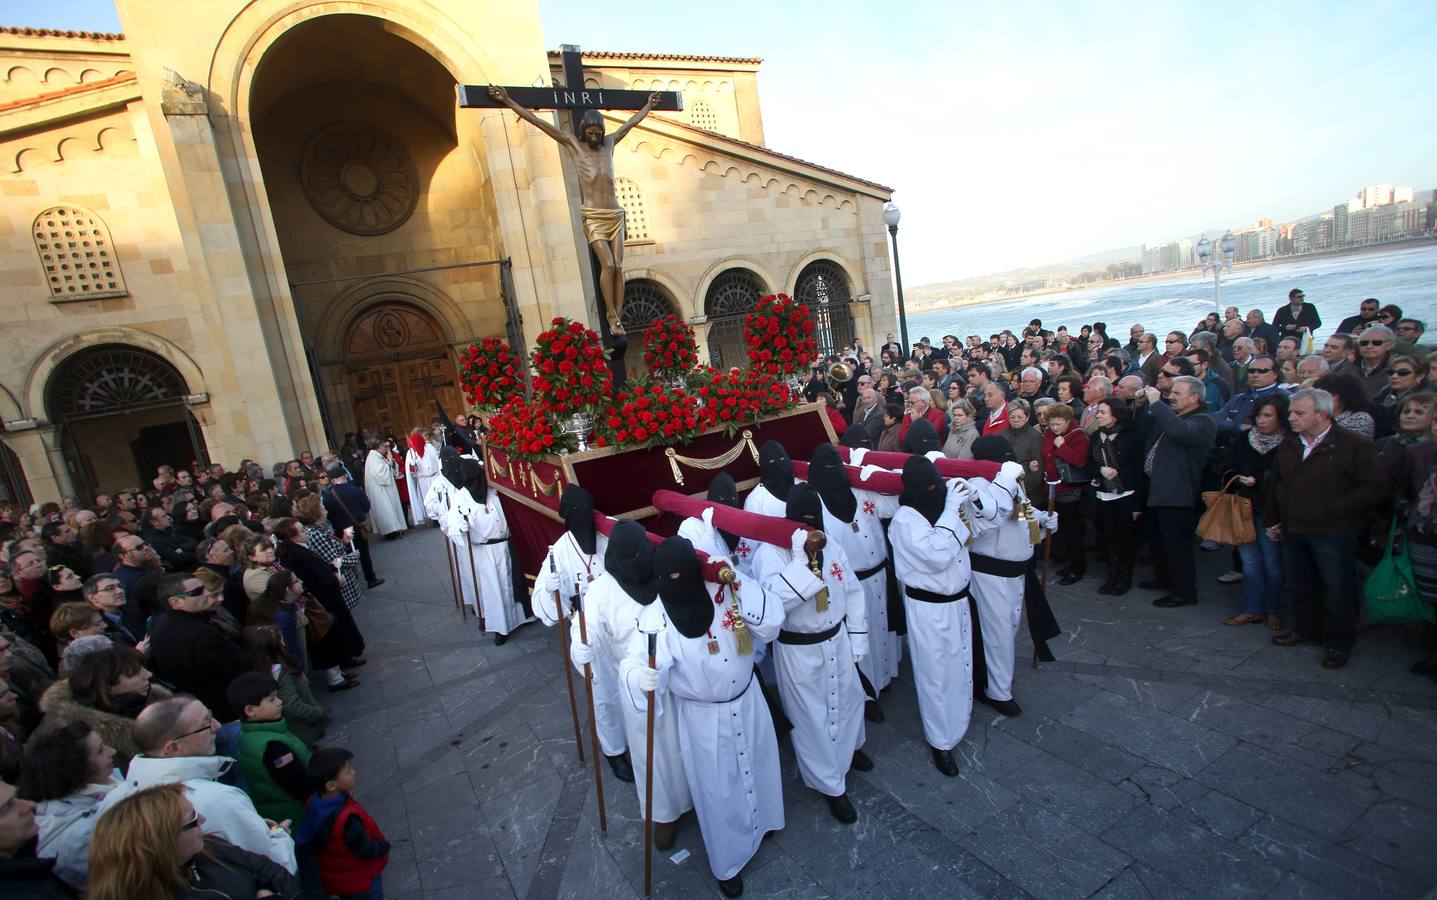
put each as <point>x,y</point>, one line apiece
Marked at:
<point>1314,234</point>
<point>1168,256</point>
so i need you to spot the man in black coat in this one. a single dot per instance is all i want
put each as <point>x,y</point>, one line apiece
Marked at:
<point>175,550</point>
<point>347,506</point>
<point>62,549</point>
<point>188,650</point>
<point>1174,454</point>
<point>217,556</point>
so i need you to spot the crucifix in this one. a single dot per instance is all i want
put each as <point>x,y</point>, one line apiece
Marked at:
<point>592,153</point>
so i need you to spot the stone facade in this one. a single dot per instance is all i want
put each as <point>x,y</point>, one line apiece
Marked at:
<point>235,189</point>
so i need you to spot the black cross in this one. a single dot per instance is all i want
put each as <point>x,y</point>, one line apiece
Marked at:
<point>576,98</point>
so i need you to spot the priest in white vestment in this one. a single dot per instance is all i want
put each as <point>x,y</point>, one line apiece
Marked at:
<point>386,513</point>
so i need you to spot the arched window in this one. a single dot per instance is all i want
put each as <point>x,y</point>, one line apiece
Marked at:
<point>824,287</point>
<point>730,297</point>
<point>645,302</point>
<point>701,115</point>
<point>109,379</point>
<point>76,254</point>
<point>636,217</point>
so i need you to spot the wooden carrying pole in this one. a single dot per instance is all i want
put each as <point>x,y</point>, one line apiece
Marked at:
<point>593,719</point>
<point>563,625</point>
<point>1048,543</point>
<point>453,561</point>
<point>474,576</point>
<point>649,779</point>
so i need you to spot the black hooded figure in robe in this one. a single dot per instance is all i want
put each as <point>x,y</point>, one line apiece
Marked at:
<point>576,508</point>
<point>678,578</point>
<point>805,508</point>
<point>1042,624</point>
<point>630,560</point>
<point>923,487</point>
<point>724,490</point>
<point>921,438</point>
<point>775,469</point>
<point>857,438</point>
<point>829,478</point>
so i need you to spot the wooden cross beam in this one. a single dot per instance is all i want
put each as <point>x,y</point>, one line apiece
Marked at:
<point>572,95</point>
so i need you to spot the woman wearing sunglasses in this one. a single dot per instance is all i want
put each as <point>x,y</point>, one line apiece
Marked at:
<point>152,844</point>
<point>1405,377</point>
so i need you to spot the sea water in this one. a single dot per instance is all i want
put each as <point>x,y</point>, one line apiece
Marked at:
<point>1335,285</point>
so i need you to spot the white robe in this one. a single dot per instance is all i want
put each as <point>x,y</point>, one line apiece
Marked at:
<point>940,639</point>
<point>865,549</point>
<point>420,472</point>
<point>613,619</point>
<point>386,513</point>
<point>483,523</point>
<point>819,682</point>
<point>725,730</point>
<point>999,599</point>
<point>704,536</point>
<point>760,500</point>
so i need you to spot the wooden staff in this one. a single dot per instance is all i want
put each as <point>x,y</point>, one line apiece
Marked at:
<point>568,670</point>
<point>593,718</point>
<point>453,562</point>
<point>1048,542</point>
<point>649,779</point>
<point>474,575</point>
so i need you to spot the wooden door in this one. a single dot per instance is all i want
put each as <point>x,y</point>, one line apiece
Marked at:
<point>398,364</point>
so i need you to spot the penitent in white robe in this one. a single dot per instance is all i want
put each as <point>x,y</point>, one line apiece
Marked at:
<point>574,565</point>
<point>761,501</point>
<point>420,471</point>
<point>819,682</point>
<point>940,637</point>
<point>725,730</point>
<point>613,619</point>
<point>998,598</point>
<point>386,513</point>
<point>487,559</point>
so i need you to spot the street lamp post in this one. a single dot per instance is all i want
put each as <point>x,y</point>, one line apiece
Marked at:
<point>1225,248</point>
<point>891,215</point>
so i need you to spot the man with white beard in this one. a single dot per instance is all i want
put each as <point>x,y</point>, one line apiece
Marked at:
<point>577,558</point>
<point>930,557</point>
<point>421,467</point>
<point>614,604</point>
<point>851,519</point>
<point>825,632</point>
<point>775,478</point>
<point>726,736</point>
<point>999,557</point>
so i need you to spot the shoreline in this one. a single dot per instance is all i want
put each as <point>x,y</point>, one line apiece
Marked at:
<point>1184,273</point>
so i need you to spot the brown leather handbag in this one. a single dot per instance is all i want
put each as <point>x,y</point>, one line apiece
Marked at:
<point>1228,519</point>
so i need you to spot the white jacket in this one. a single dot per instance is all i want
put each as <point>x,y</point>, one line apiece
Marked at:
<point>65,826</point>
<point>227,810</point>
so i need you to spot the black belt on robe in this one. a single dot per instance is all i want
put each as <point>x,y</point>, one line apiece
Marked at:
<point>933,596</point>
<point>864,573</point>
<point>807,637</point>
<point>742,691</point>
<point>1003,568</point>
<point>491,541</point>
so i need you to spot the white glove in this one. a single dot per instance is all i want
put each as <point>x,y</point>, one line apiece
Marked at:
<point>855,456</point>
<point>1048,520</point>
<point>1010,475</point>
<point>551,581</point>
<point>797,542</point>
<point>959,491</point>
<point>708,516</point>
<point>858,644</point>
<point>581,654</point>
<point>647,679</point>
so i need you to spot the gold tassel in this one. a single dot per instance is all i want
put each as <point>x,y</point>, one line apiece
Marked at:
<point>820,602</point>
<point>1025,514</point>
<point>741,635</point>
<point>963,517</point>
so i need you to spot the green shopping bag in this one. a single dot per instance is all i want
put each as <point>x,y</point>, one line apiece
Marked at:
<point>1391,589</point>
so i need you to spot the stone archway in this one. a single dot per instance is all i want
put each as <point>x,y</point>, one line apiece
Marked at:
<point>397,363</point>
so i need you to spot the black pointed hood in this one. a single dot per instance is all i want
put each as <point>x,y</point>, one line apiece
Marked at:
<point>994,448</point>
<point>775,469</point>
<point>922,437</point>
<point>576,508</point>
<point>476,480</point>
<point>857,438</point>
<point>828,476</point>
<point>923,488</point>
<point>630,560</point>
<point>450,468</point>
<point>805,508</point>
<point>682,588</point>
<point>724,490</point>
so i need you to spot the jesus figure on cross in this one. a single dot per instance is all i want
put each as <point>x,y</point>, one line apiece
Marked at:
<point>599,210</point>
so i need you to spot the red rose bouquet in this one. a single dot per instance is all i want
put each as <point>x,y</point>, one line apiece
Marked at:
<point>571,374</point>
<point>736,398</point>
<point>490,373</point>
<point>526,430</point>
<point>650,415</point>
<point>670,350</point>
<point>779,336</point>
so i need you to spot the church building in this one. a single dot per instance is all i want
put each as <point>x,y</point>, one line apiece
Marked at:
<point>244,228</point>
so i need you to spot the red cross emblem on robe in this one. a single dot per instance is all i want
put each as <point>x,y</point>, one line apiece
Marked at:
<point>836,571</point>
<point>744,549</point>
<point>869,509</point>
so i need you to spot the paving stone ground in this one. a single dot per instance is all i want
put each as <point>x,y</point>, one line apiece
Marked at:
<point>1163,755</point>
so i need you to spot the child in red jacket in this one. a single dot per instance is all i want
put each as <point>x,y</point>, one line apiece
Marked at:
<point>337,840</point>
